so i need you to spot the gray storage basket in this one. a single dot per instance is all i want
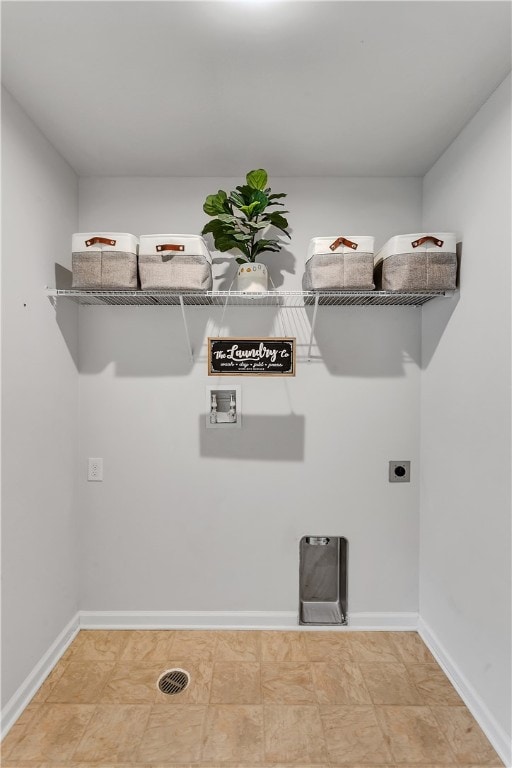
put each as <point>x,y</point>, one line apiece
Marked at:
<point>104,270</point>
<point>174,273</point>
<point>345,263</point>
<point>418,271</point>
<point>174,263</point>
<point>337,272</point>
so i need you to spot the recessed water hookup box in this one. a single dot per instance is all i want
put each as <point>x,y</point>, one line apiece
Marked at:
<point>224,406</point>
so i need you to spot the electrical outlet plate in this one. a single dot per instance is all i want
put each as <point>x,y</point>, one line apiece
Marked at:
<point>95,470</point>
<point>399,471</point>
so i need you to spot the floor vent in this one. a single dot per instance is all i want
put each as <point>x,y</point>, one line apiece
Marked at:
<point>173,681</point>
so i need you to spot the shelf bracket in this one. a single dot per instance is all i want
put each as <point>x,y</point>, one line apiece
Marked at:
<point>185,324</point>
<point>313,323</point>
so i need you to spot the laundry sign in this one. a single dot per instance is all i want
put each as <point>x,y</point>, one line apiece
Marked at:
<point>251,357</point>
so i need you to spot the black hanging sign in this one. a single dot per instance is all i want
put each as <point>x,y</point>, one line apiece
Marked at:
<point>251,357</point>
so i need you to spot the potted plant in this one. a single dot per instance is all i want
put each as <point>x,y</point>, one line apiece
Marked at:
<point>239,220</point>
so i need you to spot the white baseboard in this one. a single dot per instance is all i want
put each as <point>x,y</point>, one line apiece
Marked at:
<point>38,675</point>
<point>378,622</point>
<point>187,619</point>
<point>492,729</point>
<point>238,620</point>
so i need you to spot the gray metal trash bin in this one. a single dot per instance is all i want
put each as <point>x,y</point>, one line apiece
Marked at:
<point>323,580</point>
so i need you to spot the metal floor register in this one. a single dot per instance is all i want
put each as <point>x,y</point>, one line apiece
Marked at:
<point>323,580</point>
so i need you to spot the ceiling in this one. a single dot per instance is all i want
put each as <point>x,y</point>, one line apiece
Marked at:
<point>214,88</point>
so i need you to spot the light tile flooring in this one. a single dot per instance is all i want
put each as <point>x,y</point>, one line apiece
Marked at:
<point>255,699</point>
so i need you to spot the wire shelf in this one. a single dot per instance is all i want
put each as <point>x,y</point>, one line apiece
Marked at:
<point>282,299</point>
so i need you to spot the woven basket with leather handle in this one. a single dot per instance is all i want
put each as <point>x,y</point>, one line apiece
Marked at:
<point>174,263</point>
<point>341,263</point>
<point>104,262</point>
<point>417,263</point>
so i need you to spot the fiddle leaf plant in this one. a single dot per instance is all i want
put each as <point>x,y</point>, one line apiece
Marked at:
<point>240,218</point>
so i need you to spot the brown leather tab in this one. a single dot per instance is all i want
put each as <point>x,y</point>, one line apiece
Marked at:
<point>343,241</point>
<point>170,247</point>
<point>426,239</point>
<point>103,240</point>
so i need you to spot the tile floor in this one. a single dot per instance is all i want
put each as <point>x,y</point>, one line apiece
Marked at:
<point>255,699</point>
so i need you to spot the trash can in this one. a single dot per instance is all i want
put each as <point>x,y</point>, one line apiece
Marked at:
<point>323,580</point>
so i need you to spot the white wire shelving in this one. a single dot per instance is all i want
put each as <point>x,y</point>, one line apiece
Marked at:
<point>228,299</point>
<point>282,299</point>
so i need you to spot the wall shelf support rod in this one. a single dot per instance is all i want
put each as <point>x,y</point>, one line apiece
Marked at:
<point>313,323</point>
<point>185,324</point>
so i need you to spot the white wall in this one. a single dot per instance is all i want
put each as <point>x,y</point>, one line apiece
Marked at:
<point>379,206</point>
<point>465,576</point>
<point>40,399</point>
<point>190,519</point>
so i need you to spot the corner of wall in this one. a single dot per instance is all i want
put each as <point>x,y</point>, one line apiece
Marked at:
<point>39,397</point>
<point>465,536</point>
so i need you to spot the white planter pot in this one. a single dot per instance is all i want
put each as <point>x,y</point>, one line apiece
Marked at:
<point>252,278</point>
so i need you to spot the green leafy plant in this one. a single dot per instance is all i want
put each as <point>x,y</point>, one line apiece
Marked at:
<point>241,218</point>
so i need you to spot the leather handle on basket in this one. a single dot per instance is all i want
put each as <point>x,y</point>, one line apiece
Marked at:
<point>103,240</point>
<point>427,238</point>
<point>343,241</point>
<point>170,247</point>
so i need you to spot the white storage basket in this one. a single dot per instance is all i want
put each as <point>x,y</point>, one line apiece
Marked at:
<point>104,261</point>
<point>175,263</point>
<point>418,262</point>
<point>339,263</point>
